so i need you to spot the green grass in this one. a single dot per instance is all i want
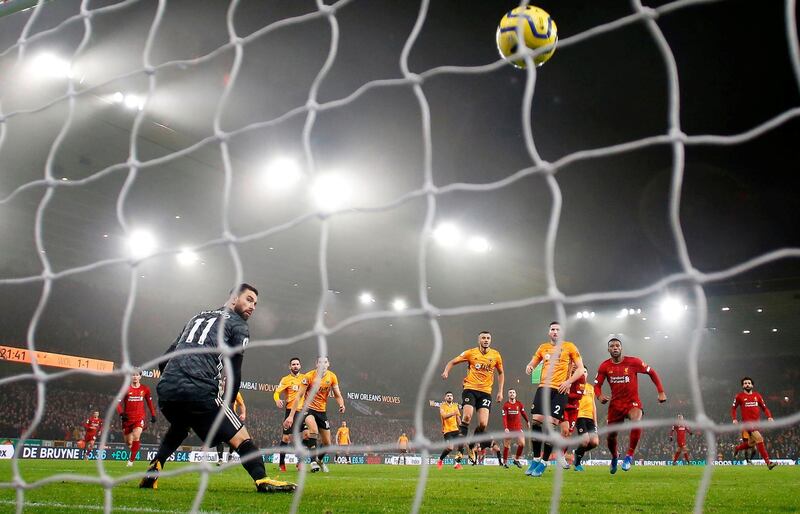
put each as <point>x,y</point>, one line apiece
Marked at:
<point>379,488</point>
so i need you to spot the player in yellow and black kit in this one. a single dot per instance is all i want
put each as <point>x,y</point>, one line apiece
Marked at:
<point>477,394</point>
<point>451,418</point>
<point>586,426</point>
<point>291,384</point>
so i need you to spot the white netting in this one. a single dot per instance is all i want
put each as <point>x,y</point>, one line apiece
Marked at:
<point>674,137</point>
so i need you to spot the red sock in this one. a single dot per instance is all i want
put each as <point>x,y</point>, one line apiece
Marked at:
<point>636,434</point>
<point>762,450</point>
<point>519,451</point>
<point>686,456</point>
<point>742,447</point>
<point>134,450</point>
<point>505,454</point>
<point>675,458</point>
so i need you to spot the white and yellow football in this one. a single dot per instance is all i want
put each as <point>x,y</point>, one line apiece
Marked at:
<point>537,28</point>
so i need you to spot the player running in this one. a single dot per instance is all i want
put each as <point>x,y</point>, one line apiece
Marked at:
<point>558,357</point>
<point>622,374</point>
<point>477,394</point>
<point>291,385</point>
<point>680,431</point>
<point>513,413</point>
<point>315,415</point>
<point>190,387</point>
<point>450,415</point>
<point>586,423</point>
<point>92,425</point>
<point>132,413</point>
<point>751,402</point>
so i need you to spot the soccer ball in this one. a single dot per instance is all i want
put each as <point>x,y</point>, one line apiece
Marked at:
<point>538,29</point>
<point>81,444</point>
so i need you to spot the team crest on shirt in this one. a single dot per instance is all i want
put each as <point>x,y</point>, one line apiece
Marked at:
<point>625,371</point>
<point>547,356</point>
<point>477,365</point>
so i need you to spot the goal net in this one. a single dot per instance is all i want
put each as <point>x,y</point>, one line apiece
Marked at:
<point>392,187</point>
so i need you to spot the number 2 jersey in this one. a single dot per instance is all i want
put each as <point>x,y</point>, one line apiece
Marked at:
<point>198,376</point>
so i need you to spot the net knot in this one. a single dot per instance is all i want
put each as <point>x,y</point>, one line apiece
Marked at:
<point>677,134</point>
<point>149,69</point>
<point>237,41</point>
<point>133,162</point>
<point>415,78</point>
<point>221,135</point>
<point>650,12</point>
<point>326,9</point>
<point>312,104</point>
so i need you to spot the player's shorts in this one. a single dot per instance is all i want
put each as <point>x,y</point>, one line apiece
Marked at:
<point>199,416</point>
<point>320,417</point>
<point>288,431</point>
<point>571,416</point>
<point>131,424</point>
<point>478,399</point>
<point>513,432</point>
<point>403,450</point>
<point>558,402</point>
<point>585,426</point>
<point>89,437</point>
<point>451,435</point>
<point>618,411</point>
<point>748,434</point>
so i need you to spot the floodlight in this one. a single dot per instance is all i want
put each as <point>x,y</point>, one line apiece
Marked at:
<point>447,234</point>
<point>366,298</point>
<point>579,315</point>
<point>50,65</point>
<point>399,304</point>
<point>331,192</point>
<point>671,309</point>
<point>186,257</point>
<point>478,244</point>
<point>141,244</point>
<point>282,173</point>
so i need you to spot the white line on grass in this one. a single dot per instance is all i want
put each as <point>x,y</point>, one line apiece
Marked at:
<point>57,505</point>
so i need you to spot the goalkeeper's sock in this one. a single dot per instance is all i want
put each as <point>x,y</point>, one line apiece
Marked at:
<point>444,454</point>
<point>579,455</point>
<point>505,454</point>
<point>134,450</point>
<point>536,443</point>
<point>762,450</point>
<point>282,454</point>
<point>636,434</point>
<point>255,464</point>
<point>171,441</point>
<point>548,449</point>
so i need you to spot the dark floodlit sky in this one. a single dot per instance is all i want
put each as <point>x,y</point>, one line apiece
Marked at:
<point>737,201</point>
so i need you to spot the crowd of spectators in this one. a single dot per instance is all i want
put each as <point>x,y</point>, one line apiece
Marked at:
<point>66,410</point>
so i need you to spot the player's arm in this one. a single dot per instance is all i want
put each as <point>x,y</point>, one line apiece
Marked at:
<point>733,409</point>
<point>238,336</point>
<point>451,363</point>
<point>524,416</point>
<point>598,384</point>
<point>567,384</point>
<point>296,405</point>
<point>242,408</point>
<point>121,406</point>
<point>671,431</point>
<point>277,396</point>
<point>764,408</point>
<point>501,381</point>
<point>337,394</point>
<point>149,399</point>
<point>535,360</point>
<point>505,418</point>
<point>171,348</point>
<point>662,396</point>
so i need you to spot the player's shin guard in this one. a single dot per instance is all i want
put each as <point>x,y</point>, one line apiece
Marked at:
<point>536,443</point>
<point>134,450</point>
<point>636,434</point>
<point>463,430</point>
<point>762,450</point>
<point>254,464</point>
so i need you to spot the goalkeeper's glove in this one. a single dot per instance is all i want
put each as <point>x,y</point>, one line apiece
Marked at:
<point>152,419</point>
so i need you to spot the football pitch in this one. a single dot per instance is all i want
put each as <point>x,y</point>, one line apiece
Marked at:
<point>384,488</point>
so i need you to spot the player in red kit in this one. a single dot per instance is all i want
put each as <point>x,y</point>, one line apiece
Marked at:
<point>622,374</point>
<point>132,413</point>
<point>751,402</point>
<point>513,413</point>
<point>92,426</point>
<point>680,431</point>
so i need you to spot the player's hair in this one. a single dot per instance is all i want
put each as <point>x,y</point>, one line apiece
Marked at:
<point>484,332</point>
<point>512,389</point>
<point>554,323</point>
<point>747,378</point>
<point>244,286</point>
<point>614,339</point>
<point>294,359</point>
<point>136,371</point>
<point>448,392</point>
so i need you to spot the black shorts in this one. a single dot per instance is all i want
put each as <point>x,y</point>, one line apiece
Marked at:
<point>558,401</point>
<point>451,435</point>
<point>288,431</point>
<point>585,426</point>
<point>478,399</point>
<point>199,416</point>
<point>320,417</point>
